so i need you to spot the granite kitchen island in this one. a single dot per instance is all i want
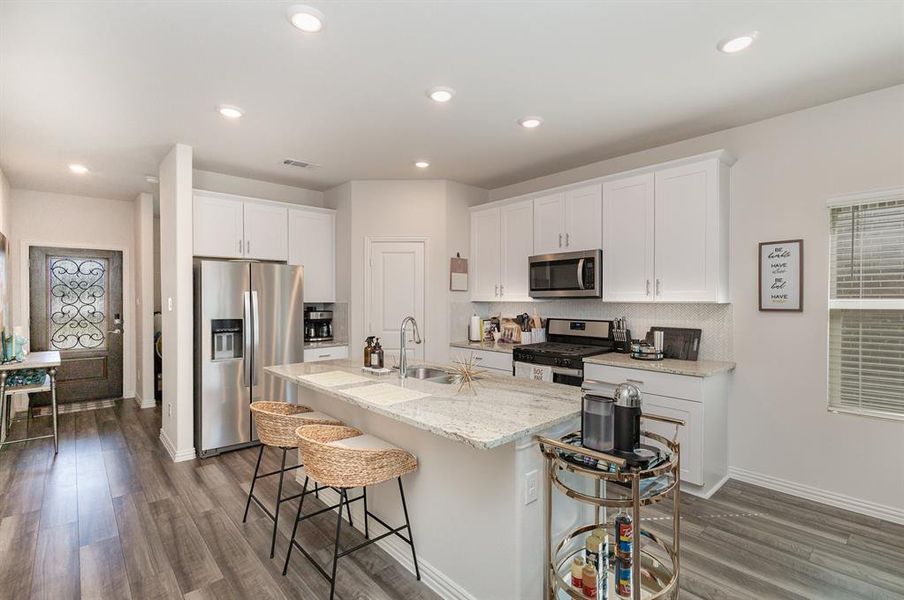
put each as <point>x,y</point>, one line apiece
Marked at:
<point>476,500</point>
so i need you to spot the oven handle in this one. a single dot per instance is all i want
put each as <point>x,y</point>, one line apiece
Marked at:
<point>581,274</point>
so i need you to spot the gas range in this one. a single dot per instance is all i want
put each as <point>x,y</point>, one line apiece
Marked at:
<point>570,341</point>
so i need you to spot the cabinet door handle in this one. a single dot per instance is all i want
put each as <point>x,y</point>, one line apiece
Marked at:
<point>240,246</point>
<point>648,287</point>
<point>248,247</point>
<point>323,356</point>
<point>566,240</point>
<point>560,240</point>
<point>658,288</point>
<point>496,290</point>
<point>501,290</point>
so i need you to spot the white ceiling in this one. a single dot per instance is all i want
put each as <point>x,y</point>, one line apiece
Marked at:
<point>114,84</point>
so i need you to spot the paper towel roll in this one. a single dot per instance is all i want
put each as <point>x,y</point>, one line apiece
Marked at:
<point>474,332</point>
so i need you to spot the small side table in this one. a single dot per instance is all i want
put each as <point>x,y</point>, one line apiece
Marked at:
<point>41,361</point>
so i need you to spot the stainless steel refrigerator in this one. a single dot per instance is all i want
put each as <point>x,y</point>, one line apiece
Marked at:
<point>248,315</point>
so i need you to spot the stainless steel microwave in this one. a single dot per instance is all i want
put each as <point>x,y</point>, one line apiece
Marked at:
<point>567,275</point>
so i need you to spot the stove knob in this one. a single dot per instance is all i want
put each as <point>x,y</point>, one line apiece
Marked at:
<point>566,362</point>
<point>558,362</point>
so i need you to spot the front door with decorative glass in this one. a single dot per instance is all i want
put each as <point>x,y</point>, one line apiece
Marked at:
<point>75,307</point>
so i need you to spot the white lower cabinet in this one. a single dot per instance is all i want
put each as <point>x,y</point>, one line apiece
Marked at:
<point>698,401</point>
<point>333,353</point>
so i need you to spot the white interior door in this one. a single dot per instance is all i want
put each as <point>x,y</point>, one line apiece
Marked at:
<point>395,289</point>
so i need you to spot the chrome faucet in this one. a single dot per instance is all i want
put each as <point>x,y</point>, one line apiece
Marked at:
<point>403,353</point>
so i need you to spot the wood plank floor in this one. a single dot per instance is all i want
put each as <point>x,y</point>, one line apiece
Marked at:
<point>113,517</point>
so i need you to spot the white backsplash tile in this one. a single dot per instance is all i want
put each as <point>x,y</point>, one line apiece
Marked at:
<point>714,319</point>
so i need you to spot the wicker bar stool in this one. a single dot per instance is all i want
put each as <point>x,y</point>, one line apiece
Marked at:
<point>276,424</point>
<point>342,457</point>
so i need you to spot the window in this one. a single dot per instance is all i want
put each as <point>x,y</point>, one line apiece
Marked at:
<point>866,304</point>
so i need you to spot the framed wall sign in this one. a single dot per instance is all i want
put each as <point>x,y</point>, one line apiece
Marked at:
<point>782,276</point>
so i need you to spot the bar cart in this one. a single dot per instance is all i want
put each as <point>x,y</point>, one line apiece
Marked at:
<point>602,481</point>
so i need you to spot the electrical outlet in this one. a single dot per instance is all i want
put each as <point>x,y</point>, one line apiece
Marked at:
<point>531,487</point>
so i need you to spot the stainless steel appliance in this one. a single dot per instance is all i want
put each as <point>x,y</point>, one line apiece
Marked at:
<point>318,325</point>
<point>248,315</point>
<point>560,359</point>
<point>566,275</point>
<point>598,415</point>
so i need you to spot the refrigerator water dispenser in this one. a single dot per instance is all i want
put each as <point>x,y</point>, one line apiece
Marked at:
<point>226,339</point>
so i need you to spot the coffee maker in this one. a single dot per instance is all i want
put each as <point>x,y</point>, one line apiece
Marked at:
<point>610,422</point>
<point>318,325</point>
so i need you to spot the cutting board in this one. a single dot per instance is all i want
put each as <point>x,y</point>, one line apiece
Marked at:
<point>678,342</point>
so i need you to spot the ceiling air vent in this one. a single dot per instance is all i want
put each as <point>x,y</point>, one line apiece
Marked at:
<point>299,163</point>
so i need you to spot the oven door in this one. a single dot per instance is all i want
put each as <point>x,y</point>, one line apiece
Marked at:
<point>566,275</point>
<point>549,373</point>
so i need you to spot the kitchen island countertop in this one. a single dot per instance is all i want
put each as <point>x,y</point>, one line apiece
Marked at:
<point>502,409</point>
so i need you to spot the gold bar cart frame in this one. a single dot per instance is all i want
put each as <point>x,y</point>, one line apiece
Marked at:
<point>554,463</point>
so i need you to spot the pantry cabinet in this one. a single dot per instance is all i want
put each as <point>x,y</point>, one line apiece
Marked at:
<point>501,243</point>
<point>665,234</point>
<point>225,226</point>
<point>568,221</point>
<point>312,244</point>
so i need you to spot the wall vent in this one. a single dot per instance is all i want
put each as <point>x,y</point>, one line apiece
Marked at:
<point>299,163</point>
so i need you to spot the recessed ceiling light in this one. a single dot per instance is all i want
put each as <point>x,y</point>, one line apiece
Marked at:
<point>230,112</point>
<point>440,94</point>
<point>151,179</point>
<point>736,43</point>
<point>309,20</point>
<point>422,164</point>
<point>530,122</point>
<point>78,169</point>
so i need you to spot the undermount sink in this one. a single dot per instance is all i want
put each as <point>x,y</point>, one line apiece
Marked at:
<point>429,374</point>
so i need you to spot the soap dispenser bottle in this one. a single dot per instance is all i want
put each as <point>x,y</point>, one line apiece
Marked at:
<point>368,348</point>
<point>376,355</point>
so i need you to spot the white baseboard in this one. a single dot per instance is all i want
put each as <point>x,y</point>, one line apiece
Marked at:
<point>142,403</point>
<point>432,577</point>
<point>177,456</point>
<point>702,492</point>
<point>865,507</point>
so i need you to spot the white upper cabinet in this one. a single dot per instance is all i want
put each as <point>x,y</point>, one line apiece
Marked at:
<point>568,221</point>
<point>628,208</point>
<point>266,231</point>
<point>549,223</point>
<point>691,234</point>
<point>517,246</point>
<point>485,263</point>
<point>218,227</point>
<point>502,241</point>
<point>583,218</point>
<point>312,244</point>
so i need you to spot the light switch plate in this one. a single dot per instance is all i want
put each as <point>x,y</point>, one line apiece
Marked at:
<point>531,487</point>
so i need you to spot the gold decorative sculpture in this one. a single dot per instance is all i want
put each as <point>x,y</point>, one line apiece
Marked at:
<point>466,371</point>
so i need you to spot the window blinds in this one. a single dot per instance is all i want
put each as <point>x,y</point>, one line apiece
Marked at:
<point>866,307</point>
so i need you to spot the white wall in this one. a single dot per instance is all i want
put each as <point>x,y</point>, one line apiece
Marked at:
<point>787,168</point>
<point>175,174</point>
<point>5,193</point>
<point>339,199</point>
<point>144,300</point>
<point>243,186</point>
<point>47,219</point>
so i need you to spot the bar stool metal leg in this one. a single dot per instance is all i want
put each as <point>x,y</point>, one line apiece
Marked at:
<point>417,570</point>
<point>282,473</point>
<point>366,530</point>
<point>343,499</point>
<point>304,492</point>
<point>253,481</point>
